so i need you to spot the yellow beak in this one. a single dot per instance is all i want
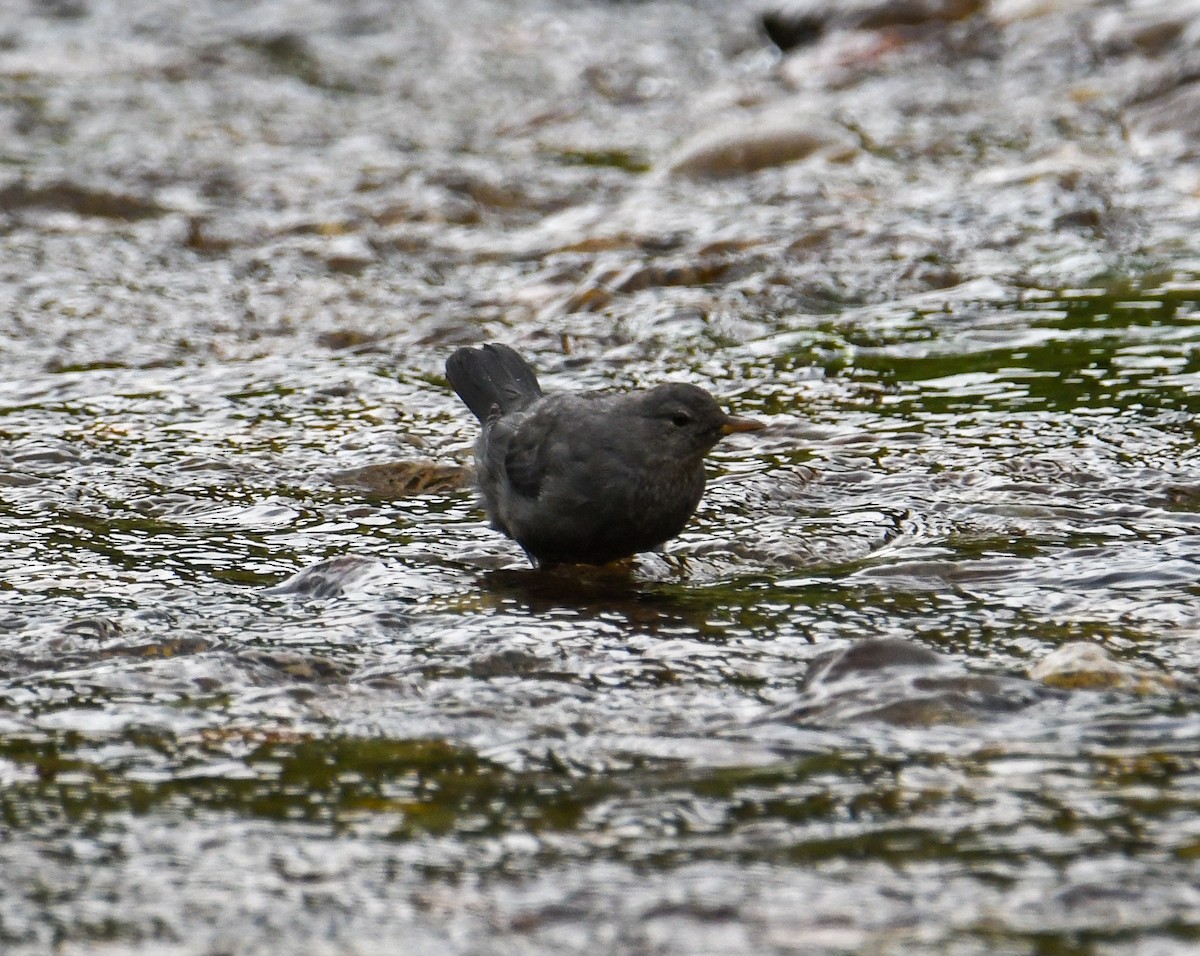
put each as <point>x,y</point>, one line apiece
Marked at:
<point>733,425</point>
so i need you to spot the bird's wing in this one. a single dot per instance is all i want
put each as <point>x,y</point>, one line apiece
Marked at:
<point>546,443</point>
<point>527,458</point>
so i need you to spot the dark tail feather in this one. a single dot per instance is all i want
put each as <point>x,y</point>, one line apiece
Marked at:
<point>490,376</point>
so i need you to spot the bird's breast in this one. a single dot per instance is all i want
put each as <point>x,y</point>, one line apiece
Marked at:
<point>668,495</point>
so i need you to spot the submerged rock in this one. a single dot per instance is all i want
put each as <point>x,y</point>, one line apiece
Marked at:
<point>798,22</point>
<point>402,479</point>
<point>1169,122</point>
<point>67,196</point>
<point>902,683</point>
<point>330,578</point>
<point>1149,30</point>
<point>758,142</point>
<point>1082,665</point>
<point>348,253</point>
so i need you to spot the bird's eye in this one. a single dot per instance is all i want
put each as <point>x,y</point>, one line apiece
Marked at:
<point>680,419</point>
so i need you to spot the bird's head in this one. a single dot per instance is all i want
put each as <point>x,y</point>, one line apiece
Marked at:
<point>685,421</point>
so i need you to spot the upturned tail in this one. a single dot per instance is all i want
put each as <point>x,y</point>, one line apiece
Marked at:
<point>492,376</point>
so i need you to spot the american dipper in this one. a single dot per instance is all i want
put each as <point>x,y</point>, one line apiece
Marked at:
<point>585,478</point>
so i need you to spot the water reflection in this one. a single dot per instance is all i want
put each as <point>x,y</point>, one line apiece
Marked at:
<point>269,683</point>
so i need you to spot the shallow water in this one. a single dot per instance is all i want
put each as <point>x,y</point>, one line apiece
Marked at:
<point>268,683</point>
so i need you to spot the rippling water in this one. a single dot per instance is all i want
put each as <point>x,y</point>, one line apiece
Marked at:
<point>268,683</point>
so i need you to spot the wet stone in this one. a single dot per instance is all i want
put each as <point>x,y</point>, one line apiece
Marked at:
<point>159,649</point>
<point>901,683</point>
<point>1167,122</point>
<point>210,235</point>
<point>1085,666</point>
<point>401,479</point>
<point>331,578</point>
<point>509,663</point>
<point>346,339</point>
<point>1149,29</point>
<point>301,667</point>
<point>99,628</point>
<point>66,196</point>
<point>12,479</point>
<point>348,254</point>
<point>797,23</point>
<point>747,144</point>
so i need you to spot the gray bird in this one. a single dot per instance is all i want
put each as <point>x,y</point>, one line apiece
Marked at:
<point>585,477</point>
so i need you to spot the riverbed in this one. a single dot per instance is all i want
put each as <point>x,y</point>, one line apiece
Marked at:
<point>919,677</point>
